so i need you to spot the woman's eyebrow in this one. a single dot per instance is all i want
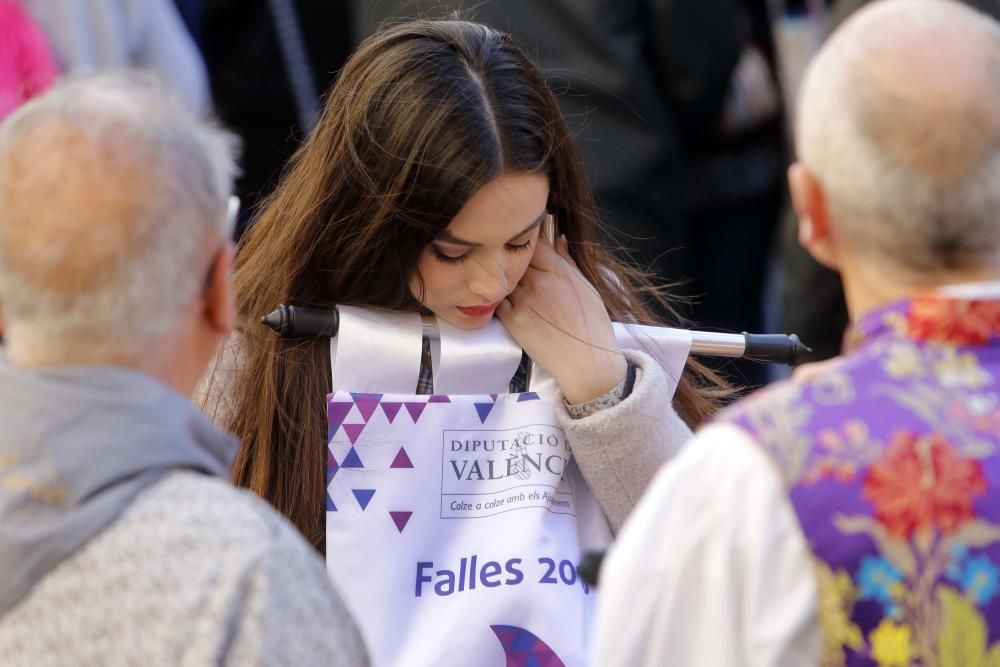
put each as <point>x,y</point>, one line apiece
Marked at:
<point>446,236</point>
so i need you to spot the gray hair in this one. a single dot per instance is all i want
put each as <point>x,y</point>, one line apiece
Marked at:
<point>908,152</point>
<point>113,204</point>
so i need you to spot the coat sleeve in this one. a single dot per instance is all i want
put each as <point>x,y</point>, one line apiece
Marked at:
<point>619,449</point>
<point>288,612</point>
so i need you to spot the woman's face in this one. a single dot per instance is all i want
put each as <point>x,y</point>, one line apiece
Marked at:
<point>482,255</point>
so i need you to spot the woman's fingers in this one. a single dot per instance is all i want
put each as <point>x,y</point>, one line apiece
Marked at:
<point>530,278</point>
<point>505,308</point>
<point>562,247</point>
<point>545,257</point>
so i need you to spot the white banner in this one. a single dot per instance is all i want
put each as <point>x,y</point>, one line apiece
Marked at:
<point>455,521</point>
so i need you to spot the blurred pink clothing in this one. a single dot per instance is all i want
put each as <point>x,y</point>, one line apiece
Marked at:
<point>26,63</point>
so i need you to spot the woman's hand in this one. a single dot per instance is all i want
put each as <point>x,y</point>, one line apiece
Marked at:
<point>561,322</point>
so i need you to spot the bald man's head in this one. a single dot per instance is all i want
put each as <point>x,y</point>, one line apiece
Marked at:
<point>112,203</point>
<point>900,123</point>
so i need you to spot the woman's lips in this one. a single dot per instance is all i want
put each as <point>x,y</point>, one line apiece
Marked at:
<point>478,311</point>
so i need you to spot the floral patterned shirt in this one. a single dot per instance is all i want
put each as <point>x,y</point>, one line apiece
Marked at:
<point>891,460</point>
<point>852,518</point>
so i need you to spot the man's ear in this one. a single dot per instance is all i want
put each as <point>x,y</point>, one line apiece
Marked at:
<point>809,201</point>
<point>219,303</point>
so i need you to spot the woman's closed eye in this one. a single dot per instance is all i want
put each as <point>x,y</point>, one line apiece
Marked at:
<point>520,247</point>
<point>447,258</point>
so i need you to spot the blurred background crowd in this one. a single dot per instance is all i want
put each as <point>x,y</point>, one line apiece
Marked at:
<point>680,108</point>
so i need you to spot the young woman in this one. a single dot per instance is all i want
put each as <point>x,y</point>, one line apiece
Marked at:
<point>424,188</point>
<point>439,156</point>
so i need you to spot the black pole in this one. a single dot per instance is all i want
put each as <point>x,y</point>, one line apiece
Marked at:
<point>299,322</point>
<point>776,348</point>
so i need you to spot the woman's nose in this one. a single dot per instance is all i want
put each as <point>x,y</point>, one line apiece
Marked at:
<point>489,279</point>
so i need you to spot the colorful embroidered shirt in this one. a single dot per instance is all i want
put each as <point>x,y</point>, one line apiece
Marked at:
<point>891,460</point>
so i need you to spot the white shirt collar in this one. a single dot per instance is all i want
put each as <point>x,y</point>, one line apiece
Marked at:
<point>989,289</point>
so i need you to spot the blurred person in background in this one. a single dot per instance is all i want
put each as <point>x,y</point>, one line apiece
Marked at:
<point>26,64</point>
<point>121,542</point>
<point>851,516</point>
<point>737,193</point>
<point>268,62</point>
<point>89,36</point>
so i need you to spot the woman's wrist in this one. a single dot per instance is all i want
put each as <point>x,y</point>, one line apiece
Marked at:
<point>610,399</point>
<point>586,384</point>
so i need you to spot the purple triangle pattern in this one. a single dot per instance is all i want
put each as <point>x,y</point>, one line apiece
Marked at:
<point>391,409</point>
<point>415,410</point>
<point>367,403</point>
<point>400,519</point>
<point>353,431</point>
<point>524,649</point>
<point>331,461</point>
<point>484,410</point>
<point>439,398</point>
<point>330,507</point>
<point>330,473</point>
<point>527,396</point>
<point>335,413</point>
<point>402,460</point>
<point>352,460</point>
<point>494,397</point>
<point>365,397</point>
<point>364,496</point>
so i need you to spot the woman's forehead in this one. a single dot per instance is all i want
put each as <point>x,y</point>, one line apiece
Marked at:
<point>501,209</point>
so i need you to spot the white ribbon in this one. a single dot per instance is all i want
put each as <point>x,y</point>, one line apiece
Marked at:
<point>481,361</point>
<point>376,351</point>
<point>380,352</point>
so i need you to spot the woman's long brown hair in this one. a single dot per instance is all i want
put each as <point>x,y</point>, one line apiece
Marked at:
<point>423,115</point>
